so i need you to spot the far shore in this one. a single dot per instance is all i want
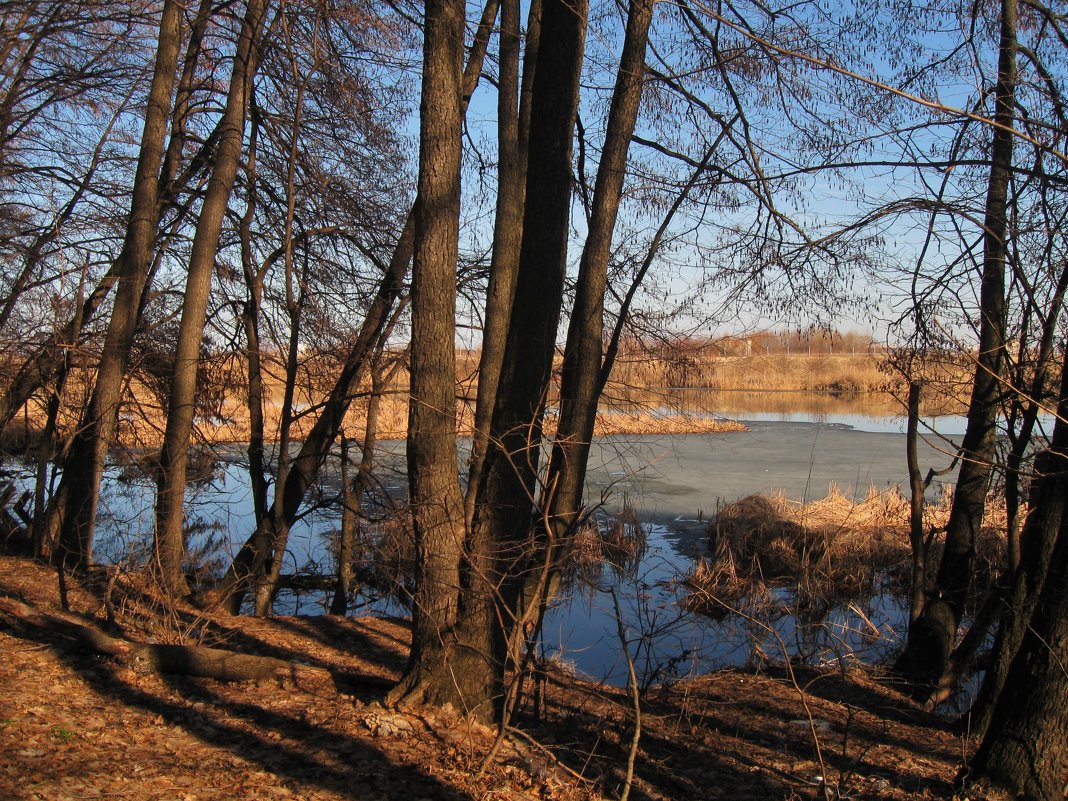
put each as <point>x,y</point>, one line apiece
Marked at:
<point>642,398</point>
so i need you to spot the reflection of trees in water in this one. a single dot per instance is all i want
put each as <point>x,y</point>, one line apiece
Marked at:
<point>811,581</point>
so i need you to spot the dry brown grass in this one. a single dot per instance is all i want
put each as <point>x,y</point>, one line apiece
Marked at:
<point>825,550</point>
<point>639,400</point>
<point>842,373</point>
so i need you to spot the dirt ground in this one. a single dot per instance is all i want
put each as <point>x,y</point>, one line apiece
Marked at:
<point>75,725</point>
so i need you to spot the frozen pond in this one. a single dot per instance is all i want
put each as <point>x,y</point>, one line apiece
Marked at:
<point>673,484</point>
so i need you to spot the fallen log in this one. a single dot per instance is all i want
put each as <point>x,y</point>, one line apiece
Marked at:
<point>184,660</point>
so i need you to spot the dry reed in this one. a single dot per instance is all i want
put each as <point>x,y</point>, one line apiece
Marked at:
<point>826,551</point>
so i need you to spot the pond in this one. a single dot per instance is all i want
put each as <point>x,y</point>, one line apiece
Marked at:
<point>672,484</point>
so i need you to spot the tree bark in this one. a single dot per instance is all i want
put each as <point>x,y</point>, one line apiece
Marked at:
<point>316,446</point>
<point>580,388</point>
<point>1026,403</point>
<point>1025,749</point>
<point>931,636</point>
<point>917,487</point>
<point>434,490</point>
<point>83,468</point>
<point>508,485</point>
<point>346,538</point>
<point>1046,517</point>
<point>507,238</point>
<point>169,543</point>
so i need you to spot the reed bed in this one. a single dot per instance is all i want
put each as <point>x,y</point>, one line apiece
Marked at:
<point>638,400</point>
<point>825,551</point>
<point>614,542</point>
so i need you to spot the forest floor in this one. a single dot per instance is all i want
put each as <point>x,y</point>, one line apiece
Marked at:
<point>76,725</point>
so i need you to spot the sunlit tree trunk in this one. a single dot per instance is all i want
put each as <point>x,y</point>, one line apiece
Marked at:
<point>47,361</point>
<point>931,636</point>
<point>1025,746</point>
<point>508,486</point>
<point>315,448</point>
<point>507,238</point>
<point>581,386</point>
<point>78,494</point>
<point>1045,522</point>
<point>174,456</point>
<point>434,491</point>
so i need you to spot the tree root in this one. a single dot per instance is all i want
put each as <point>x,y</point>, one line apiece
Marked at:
<point>185,660</point>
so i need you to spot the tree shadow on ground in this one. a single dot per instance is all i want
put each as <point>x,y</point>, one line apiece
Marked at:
<point>296,744</point>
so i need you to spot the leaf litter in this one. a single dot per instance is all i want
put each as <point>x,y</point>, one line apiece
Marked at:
<point>128,735</point>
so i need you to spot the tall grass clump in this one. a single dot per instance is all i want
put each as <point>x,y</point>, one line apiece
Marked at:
<point>825,552</point>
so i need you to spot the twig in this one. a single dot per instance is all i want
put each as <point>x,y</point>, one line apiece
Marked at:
<point>635,698</point>
<point>571,771</point>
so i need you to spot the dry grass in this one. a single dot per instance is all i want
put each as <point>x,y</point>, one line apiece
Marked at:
<point>225,419</point>
<point>841,373</point>
<point>617,542</point>
<point>638,400</point>
<point>825,551</point>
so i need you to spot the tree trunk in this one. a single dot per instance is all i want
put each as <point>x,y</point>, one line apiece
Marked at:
<point>265,577</point>
<point>346,538</point>
<point>917,487</point>
<point>434,490</point>
<point>47,361</point>
<point>250,323</point>
<point>316,446</point>
<point>508,485</point>
<point>580,385</point>
<point>174,456</point>
<point>1026,402</point>
<point>1046,517</point>
<point>83,468</point>
<point>507,238</point>
<point>183,660</point>
<point>1025,749</point>
<point>931,636</point>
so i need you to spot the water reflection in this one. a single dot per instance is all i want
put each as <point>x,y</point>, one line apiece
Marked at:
<point>875,412</point>
<point>668,641</point>
<point>799,443</point>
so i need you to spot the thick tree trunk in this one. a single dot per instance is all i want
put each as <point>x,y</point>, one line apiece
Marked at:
<point>1025,749</point>
<point>434,490</point>
<point>1028,407</point>
<point>83,468</point>
<point>174,456</point>
<point>931,636</point>
<point>1046,517</point>
<point>316,446</point>
<point>508,486</point>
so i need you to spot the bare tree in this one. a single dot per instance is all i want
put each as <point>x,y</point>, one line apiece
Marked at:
<point>174,457</point>
<point>83,468</point>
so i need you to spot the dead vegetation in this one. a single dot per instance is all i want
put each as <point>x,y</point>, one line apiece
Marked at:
<point>222,413</point>
<point>79,724</point>
<point>825,551</point>
<point>614,543</point>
